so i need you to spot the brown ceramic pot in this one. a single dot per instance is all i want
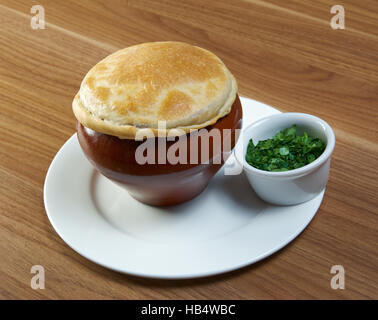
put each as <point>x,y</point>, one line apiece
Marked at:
<point>161,184</point>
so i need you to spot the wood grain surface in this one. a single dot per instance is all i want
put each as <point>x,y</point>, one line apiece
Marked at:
<point>283,53</point>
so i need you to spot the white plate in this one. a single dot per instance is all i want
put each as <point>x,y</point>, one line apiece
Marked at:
<point>225,228</point>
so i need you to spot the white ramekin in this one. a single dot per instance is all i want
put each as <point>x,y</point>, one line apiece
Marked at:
<point>293,186</point>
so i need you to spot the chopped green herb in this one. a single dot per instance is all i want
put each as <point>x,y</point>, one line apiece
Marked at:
<point>285,151</point>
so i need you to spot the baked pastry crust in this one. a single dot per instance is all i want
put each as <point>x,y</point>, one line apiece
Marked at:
<point>136,88</point>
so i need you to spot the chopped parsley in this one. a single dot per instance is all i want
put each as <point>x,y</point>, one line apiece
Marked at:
<point>285,151</point>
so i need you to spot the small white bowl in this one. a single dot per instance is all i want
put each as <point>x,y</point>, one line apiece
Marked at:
<point>293,186</point>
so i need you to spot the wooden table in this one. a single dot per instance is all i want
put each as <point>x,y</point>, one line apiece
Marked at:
<point>283,53</point>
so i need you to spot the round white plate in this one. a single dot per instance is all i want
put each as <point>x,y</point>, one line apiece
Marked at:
<point>225,228</point>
